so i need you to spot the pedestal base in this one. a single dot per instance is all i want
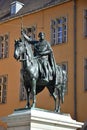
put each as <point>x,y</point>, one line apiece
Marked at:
<point>37,119</point>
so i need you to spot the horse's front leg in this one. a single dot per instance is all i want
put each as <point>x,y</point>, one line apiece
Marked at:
<point>34,92</point>
<point>28,97</point>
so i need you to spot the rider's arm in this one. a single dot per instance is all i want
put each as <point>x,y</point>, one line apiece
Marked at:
<point>28,38</point>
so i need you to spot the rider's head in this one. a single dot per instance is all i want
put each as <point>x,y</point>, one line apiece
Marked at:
<point>41,35</point>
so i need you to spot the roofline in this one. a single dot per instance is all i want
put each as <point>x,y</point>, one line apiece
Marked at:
<point>17,2</point>
<point>22,15</point>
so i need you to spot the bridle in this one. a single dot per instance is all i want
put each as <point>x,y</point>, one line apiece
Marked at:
<point>22,51</point>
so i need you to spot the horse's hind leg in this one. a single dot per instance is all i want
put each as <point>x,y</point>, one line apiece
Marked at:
<point>55,99</point>
<point>56,96</point>
<point>58,107</point>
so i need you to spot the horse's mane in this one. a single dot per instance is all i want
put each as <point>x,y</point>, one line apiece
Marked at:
<point>29,50</point>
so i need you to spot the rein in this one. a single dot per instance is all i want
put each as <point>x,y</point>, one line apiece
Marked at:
<point>23,58</point>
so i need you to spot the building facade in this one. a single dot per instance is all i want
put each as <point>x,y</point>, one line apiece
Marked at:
<point>65,25</point>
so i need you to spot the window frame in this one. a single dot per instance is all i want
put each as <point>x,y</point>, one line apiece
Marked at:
<point>3,89</point>
<point>59,34</point>
<point>13,9</point>
<point>32,33</point>
<point>22,95</point>
<point>4,46</point>
<point>66,64</point>
<point>85,22</point>
<point>85,74</point>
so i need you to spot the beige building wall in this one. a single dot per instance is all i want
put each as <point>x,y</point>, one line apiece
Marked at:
<point>81,55</point>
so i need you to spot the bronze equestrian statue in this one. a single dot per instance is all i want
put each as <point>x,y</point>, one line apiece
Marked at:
<point>39,69</point>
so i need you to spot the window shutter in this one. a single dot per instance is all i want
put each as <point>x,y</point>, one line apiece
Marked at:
<point>85,74</point>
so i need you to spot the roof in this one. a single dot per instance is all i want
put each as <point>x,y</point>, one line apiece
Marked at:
<point>30,6</point>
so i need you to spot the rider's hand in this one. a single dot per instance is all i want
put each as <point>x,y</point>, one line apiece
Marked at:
<point>22,31</point>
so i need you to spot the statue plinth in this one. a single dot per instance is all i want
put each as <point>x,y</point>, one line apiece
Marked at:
<point>38,119</point>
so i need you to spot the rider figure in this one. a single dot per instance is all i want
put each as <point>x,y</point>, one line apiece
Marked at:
<point>43,52</point>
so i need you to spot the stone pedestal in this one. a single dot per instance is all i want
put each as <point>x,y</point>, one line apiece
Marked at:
<point>37,119</point>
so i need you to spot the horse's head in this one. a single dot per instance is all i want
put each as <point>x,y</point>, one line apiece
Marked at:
<point>19,50</point>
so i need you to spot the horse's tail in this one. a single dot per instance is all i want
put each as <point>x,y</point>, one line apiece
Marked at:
<point>62,82</point>
<point>63,85</point>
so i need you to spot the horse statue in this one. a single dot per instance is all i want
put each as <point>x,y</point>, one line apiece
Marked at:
<point>30,72</point>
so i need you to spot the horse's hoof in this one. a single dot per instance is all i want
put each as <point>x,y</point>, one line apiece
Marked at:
<point>33,106</point>
<point>57,111</point>
<point>28,107</point>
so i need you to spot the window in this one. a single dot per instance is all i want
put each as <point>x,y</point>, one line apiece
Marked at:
<point>59,30</point>
<point>3,88</point>
<point>64,66</point>
<point>31,31</point>
<point>15,7</point>
<point>85,23</point>
<point>23,95</point>
<point>4,46</point>
<point>22,89</point>
<point>85,74</point>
